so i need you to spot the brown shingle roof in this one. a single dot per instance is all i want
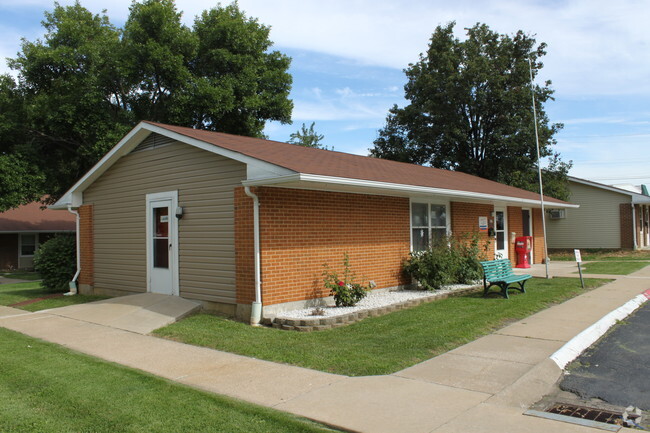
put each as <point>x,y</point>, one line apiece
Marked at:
<point>31,218</point>
<point>338,164</point>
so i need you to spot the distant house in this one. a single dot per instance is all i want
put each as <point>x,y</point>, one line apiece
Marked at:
<point>23,229</point>
<point>239,222</point>
<point>608,218</point>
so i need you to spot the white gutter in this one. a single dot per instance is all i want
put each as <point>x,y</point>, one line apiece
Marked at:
<point>73,283</point>
<point>410,189</point>
<point>256,307</point>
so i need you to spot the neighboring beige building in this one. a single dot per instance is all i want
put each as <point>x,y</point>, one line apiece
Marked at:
<point>608,217</point>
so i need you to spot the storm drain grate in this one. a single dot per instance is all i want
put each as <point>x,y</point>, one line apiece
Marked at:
<point>586,413</point>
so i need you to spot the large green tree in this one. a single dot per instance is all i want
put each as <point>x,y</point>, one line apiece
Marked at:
<point>470,109</point>
<point>87,82</point>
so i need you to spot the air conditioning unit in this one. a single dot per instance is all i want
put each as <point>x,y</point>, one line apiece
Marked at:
<point>556,214</point>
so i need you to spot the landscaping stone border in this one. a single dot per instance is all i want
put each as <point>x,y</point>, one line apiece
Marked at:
<point>321,323</point>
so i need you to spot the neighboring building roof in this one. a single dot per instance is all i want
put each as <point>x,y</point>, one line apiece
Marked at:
<point>629,187</point>
<point>31,218</point>
<point>289,165</point>
<point>636,197</point>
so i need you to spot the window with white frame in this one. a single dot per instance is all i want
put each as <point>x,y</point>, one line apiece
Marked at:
<point>27,245</point>
<point>428,222</point>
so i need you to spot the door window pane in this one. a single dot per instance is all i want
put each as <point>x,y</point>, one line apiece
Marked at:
<point>161,237</point>
<point>419,215</point>
<point>500,221</point>
<point>160,253</point>
<point>27,245</point>
<point>501,240</point>
<point>161,216</point>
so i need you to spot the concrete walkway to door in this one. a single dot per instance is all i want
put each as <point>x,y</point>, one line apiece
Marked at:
<point>140,313</point>
<point>483,386</point>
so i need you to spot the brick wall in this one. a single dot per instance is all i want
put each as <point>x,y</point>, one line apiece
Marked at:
<point>244,247</point>
<point>464,219</point>
<point>538,236</point>
<point>87,248</point>
<point>627,234</point>
<point>302,230</point>
<point>516,225</point>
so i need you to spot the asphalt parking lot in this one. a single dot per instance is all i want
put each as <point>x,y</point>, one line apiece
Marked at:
<point>617,368</point>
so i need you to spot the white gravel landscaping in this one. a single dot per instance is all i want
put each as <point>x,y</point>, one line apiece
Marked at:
<point>372,301</point>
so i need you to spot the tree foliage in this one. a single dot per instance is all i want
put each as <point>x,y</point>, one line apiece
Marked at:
<point>470,109</point>
<point>87,82</point>
<point>307,137</point>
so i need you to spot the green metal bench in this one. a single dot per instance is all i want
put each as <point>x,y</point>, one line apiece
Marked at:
<point>499,273</point>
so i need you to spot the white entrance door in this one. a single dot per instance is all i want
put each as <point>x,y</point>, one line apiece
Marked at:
<point>162,243</point>
<point>500,233</point>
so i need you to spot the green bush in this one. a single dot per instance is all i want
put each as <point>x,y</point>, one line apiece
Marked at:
<point>56,262</point>
<point>450,260</point>
<point>346,292</point>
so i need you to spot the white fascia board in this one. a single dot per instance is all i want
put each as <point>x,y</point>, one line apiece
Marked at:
<point>141,131</point>
<point>394,187</point>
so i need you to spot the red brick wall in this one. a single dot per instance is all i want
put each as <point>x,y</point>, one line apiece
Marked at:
<point>464,219</point>
<point>627,233</point>
<point>515,224</point>
<point>87,246</point>
<point>244,247</point>
<point>8,251</point>
<point>538,236</point>
<point>302,230</point>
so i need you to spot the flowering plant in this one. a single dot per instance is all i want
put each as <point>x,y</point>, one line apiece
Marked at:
<point>345,291</point>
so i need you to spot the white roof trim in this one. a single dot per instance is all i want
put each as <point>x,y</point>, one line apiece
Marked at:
<point>141,131</point>
<point>394,187</point>
<point>636,197</point>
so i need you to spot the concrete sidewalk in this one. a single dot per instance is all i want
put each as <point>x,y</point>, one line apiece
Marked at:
<point>483,386</point>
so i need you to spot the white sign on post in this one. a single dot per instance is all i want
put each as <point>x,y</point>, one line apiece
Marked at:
<point>578,256</point>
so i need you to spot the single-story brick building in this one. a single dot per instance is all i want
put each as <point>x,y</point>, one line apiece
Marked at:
<point>24,229</point>
<point>239,222</point>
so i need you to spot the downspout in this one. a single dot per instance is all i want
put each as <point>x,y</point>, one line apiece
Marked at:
<point>73,283</point>
<point>256,307</point>
<point>634,225</point>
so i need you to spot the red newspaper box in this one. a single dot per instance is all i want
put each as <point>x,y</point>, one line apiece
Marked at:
<point>523,247</point>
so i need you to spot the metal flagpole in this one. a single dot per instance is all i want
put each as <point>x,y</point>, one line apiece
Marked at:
<point>539,166</point>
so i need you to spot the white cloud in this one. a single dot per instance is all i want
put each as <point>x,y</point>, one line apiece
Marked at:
<point>596,47</point>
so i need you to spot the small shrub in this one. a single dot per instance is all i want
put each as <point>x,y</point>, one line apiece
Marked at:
<point>346,292</point>
<point>450,260</point>
<point>56,262</point>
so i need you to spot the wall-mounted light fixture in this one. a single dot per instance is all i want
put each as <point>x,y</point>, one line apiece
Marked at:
<point>179,212</point>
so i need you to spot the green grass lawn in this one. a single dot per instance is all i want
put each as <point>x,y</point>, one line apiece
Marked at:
<point>379,345</point>
<point>46,388</point>
<point>602,255</point>
<point>14,293</point>
<point>21,275</point>
<point>613,268</point>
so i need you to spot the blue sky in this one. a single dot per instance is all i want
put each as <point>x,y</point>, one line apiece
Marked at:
<point>348,57</point>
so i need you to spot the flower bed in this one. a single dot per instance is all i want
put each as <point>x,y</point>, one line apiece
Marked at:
<point>375,304</point>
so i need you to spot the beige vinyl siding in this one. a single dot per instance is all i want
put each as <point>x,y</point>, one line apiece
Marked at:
<point>205,183</point>
<point>596,224</point>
